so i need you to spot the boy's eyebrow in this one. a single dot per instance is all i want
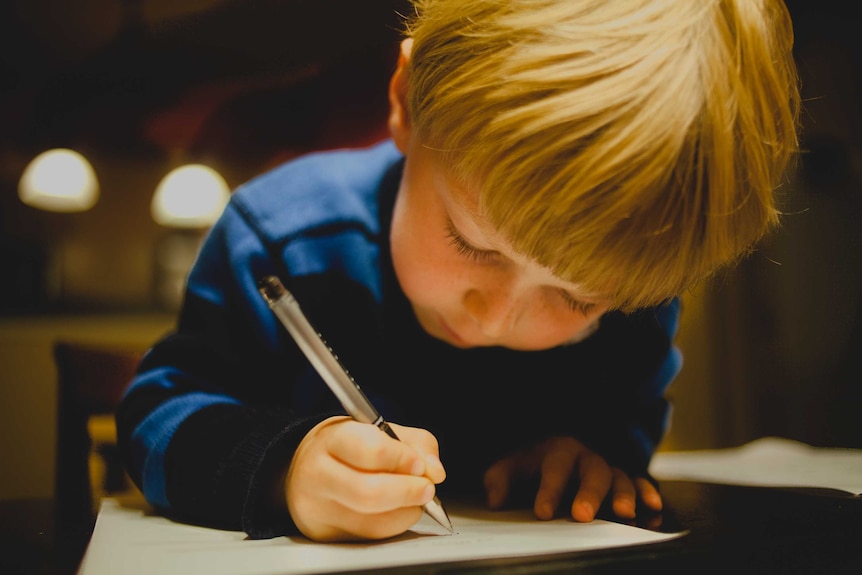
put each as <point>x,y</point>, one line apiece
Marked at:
<point>576,294</point>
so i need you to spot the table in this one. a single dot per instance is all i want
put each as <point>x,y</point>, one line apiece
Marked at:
<point>732,529</point>
<point>29,543</point>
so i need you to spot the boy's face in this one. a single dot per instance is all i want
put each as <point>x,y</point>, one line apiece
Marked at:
<point>467,286</point>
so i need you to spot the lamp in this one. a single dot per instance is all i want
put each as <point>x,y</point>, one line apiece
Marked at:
<point>188,200</point>
<point>191,196</point>
<point>59,180</point>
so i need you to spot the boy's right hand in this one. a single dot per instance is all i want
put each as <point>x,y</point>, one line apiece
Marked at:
<point>349,480</point>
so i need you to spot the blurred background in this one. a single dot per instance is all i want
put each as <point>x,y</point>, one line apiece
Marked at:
<point>140,94</point>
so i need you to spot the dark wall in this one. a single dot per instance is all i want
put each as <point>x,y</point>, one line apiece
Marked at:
<point>140,86</point>
<point>788,322</point>
<point>143,86</point>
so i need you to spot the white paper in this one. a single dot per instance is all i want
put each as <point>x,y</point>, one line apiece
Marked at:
<point>131,541</point>
<point>770,462</point>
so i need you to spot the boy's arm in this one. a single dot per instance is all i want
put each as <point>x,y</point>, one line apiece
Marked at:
<point>601,439</point>
<point>640,414</point>
<point>200,428</point>
<point>202,455</point>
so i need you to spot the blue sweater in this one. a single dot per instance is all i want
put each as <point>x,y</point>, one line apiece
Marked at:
<point>217,408</point>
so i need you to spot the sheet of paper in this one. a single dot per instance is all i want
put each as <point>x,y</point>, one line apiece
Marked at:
<point>131,541</point>
<point>769,461</point>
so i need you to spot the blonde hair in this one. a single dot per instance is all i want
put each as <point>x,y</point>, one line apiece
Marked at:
<point>631,146</point>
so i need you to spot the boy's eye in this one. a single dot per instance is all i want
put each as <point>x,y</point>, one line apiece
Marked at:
<point>463,247</point>
<point>576,305</point>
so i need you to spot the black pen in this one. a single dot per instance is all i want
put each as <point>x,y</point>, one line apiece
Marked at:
<point>287,310</point>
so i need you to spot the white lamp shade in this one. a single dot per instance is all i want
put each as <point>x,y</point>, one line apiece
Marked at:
<point>59,180</point>
<point>191,196</point>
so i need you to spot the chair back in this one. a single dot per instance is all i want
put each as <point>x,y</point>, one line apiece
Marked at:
<point>91,382</point>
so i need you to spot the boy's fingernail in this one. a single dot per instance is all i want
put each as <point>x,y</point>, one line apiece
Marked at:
<point>625,508</point>
<point>545,510</point>
<point>418,468</point>
<point>428,494</point>
<point>585,511</point>
<point>433,461</point>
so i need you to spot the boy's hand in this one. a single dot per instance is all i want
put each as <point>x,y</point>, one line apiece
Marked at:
<point>558,460</point>
<point>350,480</point>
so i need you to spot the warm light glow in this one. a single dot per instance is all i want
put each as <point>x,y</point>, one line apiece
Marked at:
<point>191,196</point>
<point>59,180</point>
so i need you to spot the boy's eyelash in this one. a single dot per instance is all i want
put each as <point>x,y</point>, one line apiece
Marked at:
<point>576,305</point>
<point>464,248</point>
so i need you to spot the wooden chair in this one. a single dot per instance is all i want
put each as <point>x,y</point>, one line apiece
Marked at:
<point>91,381</point>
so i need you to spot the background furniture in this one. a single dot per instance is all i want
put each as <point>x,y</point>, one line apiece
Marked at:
<point>91,381</point>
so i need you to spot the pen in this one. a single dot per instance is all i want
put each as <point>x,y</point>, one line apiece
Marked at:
<point>287,310</point>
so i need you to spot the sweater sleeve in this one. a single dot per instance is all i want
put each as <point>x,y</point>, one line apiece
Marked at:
<point>652,408</point>
<point>637,413</point>
<point>213,417</point>
<point>200,427</point>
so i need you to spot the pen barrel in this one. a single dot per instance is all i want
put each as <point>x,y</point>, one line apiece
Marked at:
<point>287,310</point>
<point>315,348</point>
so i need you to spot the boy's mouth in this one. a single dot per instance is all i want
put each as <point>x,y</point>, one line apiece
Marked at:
<point>451,335</point>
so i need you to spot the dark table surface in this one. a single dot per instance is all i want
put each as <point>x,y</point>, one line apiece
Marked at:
<point>731,529</point>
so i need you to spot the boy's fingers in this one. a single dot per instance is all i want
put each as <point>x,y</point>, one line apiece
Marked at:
<point>557,466</point>
<point>421,439</point>
<point>648,493</point>
<point>354,526</point>
<point>366,448</point>
<point>434,469</point>
<point>595,476</point>
<point>372,493</point>
<point>497,480</point>
<point>623,494</point>
<point>426,444</point>
<point>345,524</point>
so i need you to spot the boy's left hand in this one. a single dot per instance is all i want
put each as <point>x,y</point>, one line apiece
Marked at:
<point>556,461</point>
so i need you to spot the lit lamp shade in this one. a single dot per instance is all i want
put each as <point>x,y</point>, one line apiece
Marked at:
<point>59,180</point>
<point>191,196</point>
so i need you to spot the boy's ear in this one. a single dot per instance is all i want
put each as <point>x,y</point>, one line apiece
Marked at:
<point>399,117</point>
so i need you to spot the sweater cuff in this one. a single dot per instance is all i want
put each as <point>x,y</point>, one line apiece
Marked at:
<point>262,515</point>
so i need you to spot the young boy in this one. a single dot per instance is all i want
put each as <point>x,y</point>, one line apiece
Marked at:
<point>501,276</point>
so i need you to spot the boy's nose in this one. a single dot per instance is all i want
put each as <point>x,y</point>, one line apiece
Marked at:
<point>494,311</point>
